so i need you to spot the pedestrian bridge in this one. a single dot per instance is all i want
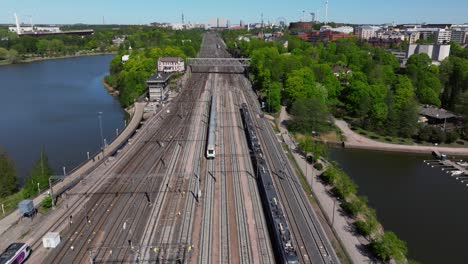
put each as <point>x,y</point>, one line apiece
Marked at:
<point>218,65</point>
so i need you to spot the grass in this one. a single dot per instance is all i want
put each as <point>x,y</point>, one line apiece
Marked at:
<point>405,141</point>
<point>10,203</point>
<point>385,139</point>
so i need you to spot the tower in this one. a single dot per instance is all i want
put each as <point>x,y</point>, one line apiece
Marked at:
<point>18,28</point>
<point>326,12</point>
<point>183,19</point>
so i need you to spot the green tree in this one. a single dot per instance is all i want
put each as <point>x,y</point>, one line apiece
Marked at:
<point>309,115</point>
<point>8,181</point>
<point>389,246</point>
<point>274,97</point>
<point>454,76</point>
<point>38,177</point>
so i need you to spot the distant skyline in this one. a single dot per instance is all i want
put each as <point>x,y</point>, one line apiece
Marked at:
<point>144,12</point>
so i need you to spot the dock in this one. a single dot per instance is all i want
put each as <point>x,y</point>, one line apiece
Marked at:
<point>454,167</point>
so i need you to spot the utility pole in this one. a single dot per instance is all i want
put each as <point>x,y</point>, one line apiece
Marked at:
<point>100,129</point>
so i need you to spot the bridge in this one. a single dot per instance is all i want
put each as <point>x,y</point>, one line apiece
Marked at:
<point>219,65</point>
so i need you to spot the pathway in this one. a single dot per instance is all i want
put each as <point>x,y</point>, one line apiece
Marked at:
<point>341,224</point>
<point>355,140</point>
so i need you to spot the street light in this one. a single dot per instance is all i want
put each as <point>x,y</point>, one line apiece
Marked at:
<point>100,129</point>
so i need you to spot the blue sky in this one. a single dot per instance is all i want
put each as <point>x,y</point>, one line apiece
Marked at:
<point>143,12</point>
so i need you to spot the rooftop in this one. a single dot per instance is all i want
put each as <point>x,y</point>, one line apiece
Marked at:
<point>170,59</point>
<point>434,112</point>
<point>160,77</point>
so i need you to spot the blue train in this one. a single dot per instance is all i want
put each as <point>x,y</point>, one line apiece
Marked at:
<point>277,225</point>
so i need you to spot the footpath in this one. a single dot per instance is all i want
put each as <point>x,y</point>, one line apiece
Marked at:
<point>86,167</point>
<point>355,140</point>
<point>331,209</point>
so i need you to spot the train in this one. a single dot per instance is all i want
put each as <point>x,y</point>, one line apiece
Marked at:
<point>16,253</point>
<point>210,146</point>
<point>279,231</point>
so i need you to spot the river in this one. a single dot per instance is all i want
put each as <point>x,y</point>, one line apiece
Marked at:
<point>422,205</point>
<point>54,105</point>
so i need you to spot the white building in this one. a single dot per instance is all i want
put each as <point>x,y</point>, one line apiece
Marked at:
<point>437,53</point>
<point>367,32</point>
<point>171,64</point>
<point>125,58</point>
<point>443,36</point>
<point>345,29</point>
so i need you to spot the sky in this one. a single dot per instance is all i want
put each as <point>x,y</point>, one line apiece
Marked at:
<point>202,11</point>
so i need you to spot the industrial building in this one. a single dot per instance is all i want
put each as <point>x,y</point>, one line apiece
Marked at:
<point>158,86</point>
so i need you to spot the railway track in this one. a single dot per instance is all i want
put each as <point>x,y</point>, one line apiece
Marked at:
<point>304,224</point>
<point>107,236</point>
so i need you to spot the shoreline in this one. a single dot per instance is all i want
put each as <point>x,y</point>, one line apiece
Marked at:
<point>36,59</point>
<point>357,141</point>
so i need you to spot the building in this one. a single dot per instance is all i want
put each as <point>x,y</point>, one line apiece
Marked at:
<point>439,117</point>
<point>327,36</point>
<point>301,26</point>
<point>366,32</point>
<point>460,36</point>
<point>437,53</point>
<point>344,29</point>
<point>158,86</point>
<point>384,43</point>
<point>125,58</point>
<point>118,41</point>
<point>443,36</point>
<point>171,64</point>
<point>411,37</point>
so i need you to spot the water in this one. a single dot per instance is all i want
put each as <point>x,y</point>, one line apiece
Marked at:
<point>54,105</point>
<point>422,205</point>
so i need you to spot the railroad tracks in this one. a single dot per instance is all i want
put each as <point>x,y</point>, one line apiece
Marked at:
<point>304,224</point>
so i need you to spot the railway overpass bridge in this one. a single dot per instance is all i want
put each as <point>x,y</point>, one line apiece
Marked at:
<point>219,65</point>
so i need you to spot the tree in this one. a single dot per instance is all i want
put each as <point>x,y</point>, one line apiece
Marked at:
<point>389,246</point>
<point>454,76</point>
<point>38,177</point>
<point>274,97</point>
<point>8,181</point>
<point>309,115</point>
<point>302,84</point>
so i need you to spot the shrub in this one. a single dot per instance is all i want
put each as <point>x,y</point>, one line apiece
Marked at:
<point>389,246</point>
<point>363,228</point>
<point>318,166</point>
<point>47,202</point>
<point>355,207</point>
<point>451,137</point>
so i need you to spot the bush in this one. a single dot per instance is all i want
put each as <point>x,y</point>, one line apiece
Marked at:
<point>451,137</point>
<point>355,207</point>
<point>363,228</point>
<point>47,202</point>
<point>318,166</point>
<point>389,246</point>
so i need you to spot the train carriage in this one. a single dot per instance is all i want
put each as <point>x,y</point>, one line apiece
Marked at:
<point>210,146</point>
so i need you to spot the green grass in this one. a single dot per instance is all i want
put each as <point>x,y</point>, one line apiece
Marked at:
<point>10,203</point>
<point>385,139</point>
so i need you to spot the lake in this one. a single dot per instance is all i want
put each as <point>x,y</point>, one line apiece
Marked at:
<point>54,105</point>
<point>424,206</point>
